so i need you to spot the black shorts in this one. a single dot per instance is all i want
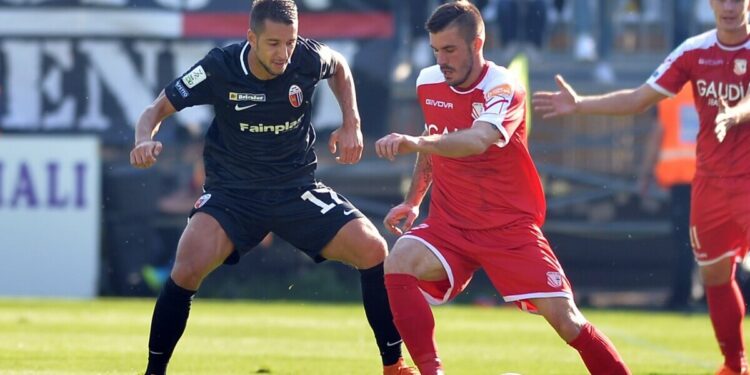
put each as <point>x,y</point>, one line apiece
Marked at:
<point>307,217</point>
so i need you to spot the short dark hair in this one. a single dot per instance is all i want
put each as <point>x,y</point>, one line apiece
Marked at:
<point>281,11</point>
<point>460,13</point>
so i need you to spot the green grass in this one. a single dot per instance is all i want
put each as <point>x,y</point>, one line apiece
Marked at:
<point>109,336</point>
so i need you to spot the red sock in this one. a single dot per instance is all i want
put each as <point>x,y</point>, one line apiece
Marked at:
<point>414,320</point>
<point>598,353</point>
<point>727,308</point>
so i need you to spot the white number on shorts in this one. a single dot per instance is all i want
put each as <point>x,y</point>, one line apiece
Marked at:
<point>308,196</point>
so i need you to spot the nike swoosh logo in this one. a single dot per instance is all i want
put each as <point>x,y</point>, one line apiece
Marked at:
<point>388,343</point>
<point>349,212</point>
<point>238,108</point>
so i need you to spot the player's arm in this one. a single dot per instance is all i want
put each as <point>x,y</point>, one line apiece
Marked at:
<point>421,180</point>
<point>348,138</point>
<point>466,142</point>
<point>409,210</point>
<point>567,101</point>
<point>651,156</point>
<point>146,150</point>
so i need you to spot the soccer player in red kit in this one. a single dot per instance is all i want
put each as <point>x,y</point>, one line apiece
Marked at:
<point>487,203</point>
<point>715,63</point>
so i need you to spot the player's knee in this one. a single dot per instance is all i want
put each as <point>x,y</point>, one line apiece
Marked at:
<point>565,319</point>
<point>371,251</point>
<point>568,329</point>
<point>716,274</point>
<point>398,262</point>
<point>187,275</point>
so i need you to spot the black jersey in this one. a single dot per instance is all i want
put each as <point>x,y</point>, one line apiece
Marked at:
<point>261,136</point>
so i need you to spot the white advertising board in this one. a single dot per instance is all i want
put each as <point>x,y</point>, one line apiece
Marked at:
<point>50,208</point>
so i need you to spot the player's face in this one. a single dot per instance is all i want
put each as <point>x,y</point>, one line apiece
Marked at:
<point>453,54</point>
<point>731,15</point>
<point>272,48</point>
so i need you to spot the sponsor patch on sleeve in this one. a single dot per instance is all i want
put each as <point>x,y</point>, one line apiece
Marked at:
<point>195,77</point>
<point>503,90</point>
<point>181,89</point>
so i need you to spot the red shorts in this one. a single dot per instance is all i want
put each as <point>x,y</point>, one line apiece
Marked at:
<point>719,218</point>
<point>517,259</point>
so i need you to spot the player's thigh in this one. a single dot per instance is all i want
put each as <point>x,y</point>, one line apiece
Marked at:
<point>357,243</point>
<point>203,246</point>
<point>521,265</point>
<point>714,232</point>
<point>412,256</point>
<point>740,203</point>
<point>325,225</point>
<point>436,254</point>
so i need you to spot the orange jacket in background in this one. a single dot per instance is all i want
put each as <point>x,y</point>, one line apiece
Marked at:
<point>679,122</point>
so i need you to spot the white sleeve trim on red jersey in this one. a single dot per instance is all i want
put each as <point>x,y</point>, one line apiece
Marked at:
<point>702,41</point>
<point>499,88</point>
<point>660,89</point>
<point>497,123</point>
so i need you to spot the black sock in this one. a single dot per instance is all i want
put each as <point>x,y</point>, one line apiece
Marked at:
<point>378,311</point>
<point>167,324</point>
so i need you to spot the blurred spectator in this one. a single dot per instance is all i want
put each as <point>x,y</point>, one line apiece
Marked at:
<point>520,22</point>
<point>634,11</point>
<point>670,159</point>
<point>683,20</point>
<point>587,48</point>
<point>413,46</point>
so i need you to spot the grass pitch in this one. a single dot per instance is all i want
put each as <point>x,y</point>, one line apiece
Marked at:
<point>109,336</point>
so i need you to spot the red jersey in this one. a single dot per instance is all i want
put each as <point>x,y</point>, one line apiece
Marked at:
<point>500,186</point>
<point>713,70</point>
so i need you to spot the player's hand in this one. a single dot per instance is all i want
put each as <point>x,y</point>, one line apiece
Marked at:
<point>347,140</point>
<point>558,103</point>
<point>395,144</point>
<point>144,154</point>
<point>404,211</point>
<point>725,119</point>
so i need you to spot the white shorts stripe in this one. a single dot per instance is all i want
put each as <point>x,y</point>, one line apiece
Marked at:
<point>519,297</point>
<point>729,253</point>
<point>432,300</point>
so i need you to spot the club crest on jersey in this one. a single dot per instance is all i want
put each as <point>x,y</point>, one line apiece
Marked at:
<point>476,110</point>
<point>740,66</point>
<point>201,201</point>
<point>295,96</point>
<point>554,279</point>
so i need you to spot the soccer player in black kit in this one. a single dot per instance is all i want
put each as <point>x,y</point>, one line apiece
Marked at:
<point>260,164</point>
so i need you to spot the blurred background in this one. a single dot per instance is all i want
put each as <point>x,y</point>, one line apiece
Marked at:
<point>77,221</point>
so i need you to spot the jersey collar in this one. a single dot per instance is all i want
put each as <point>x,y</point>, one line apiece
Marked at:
<point>731,47</point>
<point>243,58</point>
<point>485,68</point>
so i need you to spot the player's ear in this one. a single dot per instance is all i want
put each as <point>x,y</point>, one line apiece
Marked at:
<point>252,38</point>
<point>477,43</point>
